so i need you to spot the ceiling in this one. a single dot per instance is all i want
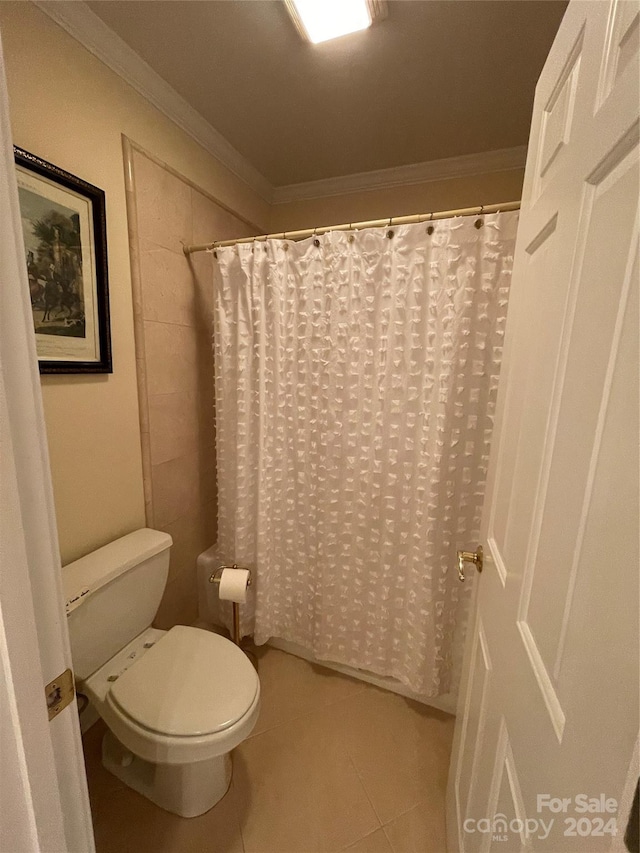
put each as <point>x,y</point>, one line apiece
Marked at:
<point>436,79</point>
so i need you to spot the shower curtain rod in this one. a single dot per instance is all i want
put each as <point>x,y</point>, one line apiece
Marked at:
<point>352,226</point>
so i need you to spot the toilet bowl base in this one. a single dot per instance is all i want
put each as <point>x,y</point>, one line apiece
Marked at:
<point>187,790</point>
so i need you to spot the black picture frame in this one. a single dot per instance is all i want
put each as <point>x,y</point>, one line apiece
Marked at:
<point>68,275</point>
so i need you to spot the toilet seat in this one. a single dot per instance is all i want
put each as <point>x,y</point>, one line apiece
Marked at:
<point>189,684</point>
<point>167,748</point>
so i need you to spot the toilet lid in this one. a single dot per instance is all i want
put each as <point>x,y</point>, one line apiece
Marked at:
<point>191,682</point>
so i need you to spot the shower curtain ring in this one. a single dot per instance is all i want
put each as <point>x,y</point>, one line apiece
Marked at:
<point>430,227</point>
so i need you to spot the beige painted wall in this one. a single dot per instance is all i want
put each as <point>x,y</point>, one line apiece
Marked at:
<point>467,191</point>
<point>70,109</point>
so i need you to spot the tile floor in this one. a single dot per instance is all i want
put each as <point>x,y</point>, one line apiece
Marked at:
<point>333,764</point>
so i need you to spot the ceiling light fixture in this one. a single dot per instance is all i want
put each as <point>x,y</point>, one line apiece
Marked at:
<point>321,20</point>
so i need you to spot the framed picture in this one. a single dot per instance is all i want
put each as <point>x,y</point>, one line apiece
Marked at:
<point>65,238</point>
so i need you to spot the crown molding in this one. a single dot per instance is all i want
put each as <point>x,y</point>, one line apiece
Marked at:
<point>86,27</point>
<point>484,162</point>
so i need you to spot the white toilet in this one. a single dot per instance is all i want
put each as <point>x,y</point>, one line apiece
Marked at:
<point>176,702</point>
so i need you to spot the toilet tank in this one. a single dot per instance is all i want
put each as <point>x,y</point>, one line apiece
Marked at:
<point>113,594</point>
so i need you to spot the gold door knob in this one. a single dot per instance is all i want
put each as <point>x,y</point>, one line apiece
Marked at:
<point>474,557</point>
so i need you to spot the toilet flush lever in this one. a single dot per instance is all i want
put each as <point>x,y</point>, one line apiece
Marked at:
<point>475,557</point>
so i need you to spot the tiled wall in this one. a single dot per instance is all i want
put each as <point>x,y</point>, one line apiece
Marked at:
<point>172,310</point>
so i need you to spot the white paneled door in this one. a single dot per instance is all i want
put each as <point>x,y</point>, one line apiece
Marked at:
<point>548,714</point>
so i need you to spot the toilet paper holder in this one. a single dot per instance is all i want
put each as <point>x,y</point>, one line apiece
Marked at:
<point>215,578</point>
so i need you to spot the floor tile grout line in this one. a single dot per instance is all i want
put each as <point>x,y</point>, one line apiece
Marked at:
<point>308,713</point>
<point>350,758</point>
<point>368,835</point>
<point>366,793</point>
<point>234,806</point>
<point>355,767</point>
<point>400,814</point>
<point>364,788</point>
<point>383,823</point>
<point>297,719</point>
<point>305,713</point>
<point>386,835</point>
<point>387,824</point>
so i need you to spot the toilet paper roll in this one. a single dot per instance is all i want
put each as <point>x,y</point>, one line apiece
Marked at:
<point>233,585</point>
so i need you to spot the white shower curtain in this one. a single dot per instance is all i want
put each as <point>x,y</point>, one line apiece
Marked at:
<point>356,378</point>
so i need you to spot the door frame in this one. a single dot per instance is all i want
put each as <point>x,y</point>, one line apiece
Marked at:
<point>44,802</point>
